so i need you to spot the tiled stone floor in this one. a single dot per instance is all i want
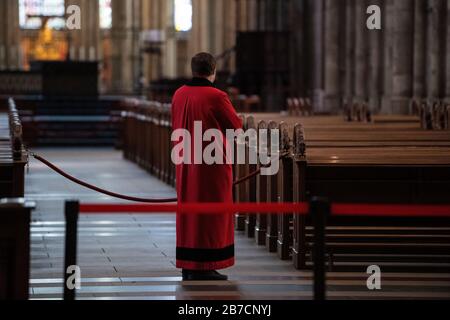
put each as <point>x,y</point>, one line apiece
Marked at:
<point>132,256</point>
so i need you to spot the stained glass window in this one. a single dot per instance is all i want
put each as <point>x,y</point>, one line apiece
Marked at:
<point>183,15</point>
<point>105,14</point>
<point>31,12</point>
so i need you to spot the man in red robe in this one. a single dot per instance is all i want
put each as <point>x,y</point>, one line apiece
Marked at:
<point>205,242</point>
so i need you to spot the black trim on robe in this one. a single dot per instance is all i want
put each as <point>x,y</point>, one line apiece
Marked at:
<point>205,255</point>
<point>200,82</point>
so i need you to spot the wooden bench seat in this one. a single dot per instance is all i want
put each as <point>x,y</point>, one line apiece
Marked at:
<point>391,163</point>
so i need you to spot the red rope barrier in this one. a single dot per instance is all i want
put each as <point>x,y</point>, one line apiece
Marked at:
<point>390,210</point>
<point>126,197</point>
<point>369,210</point>
<point>203,208</point>
<point>97,189</point>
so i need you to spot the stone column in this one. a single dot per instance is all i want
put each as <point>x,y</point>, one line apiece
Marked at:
<point>84,44</point>
<point>361,80</point>
<point>219,27</point>
<point>331,52</point>
<point>402,56</point>
<point>230,30</point>
<point>3,27</point>
<point>146,19</point>
<point>317,44</point>
<point>243,17</point>
<point>349,74</point>
<point>374,66</point>
<point>122,78</point>
<point>420,37</point>
<point>388,16</point>
<point>299,55</point>
<point>432,53</point>
<point>252,15</point>
<point>10,50</point>
<point>443,25</point>
<point>204,26</point>
<point>169,60</point>
<point>447,55</point>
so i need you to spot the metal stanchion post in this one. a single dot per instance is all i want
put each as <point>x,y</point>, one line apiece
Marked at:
<point>70,257</point>
<point>320,209</point>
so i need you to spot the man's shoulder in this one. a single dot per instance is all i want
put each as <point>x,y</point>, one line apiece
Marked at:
<point>180,90</point>
<point>217,92</point>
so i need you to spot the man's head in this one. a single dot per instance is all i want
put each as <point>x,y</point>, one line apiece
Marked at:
<point>204,66</point>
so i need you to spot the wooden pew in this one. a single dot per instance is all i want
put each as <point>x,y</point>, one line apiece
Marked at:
<point>412,244</point>
<point>12,155</point>
<point>15,215</point>
<point>285,182</point>
<point>348,162</point>
<point>261,193</point>
<point>299,106</point>
<point>251,148</point>
<point>70,120</point>
<point>272,196</point>
<point>389,159</point>
<point>147,133</point>
<point>435,116</point>
<point>241,191</point>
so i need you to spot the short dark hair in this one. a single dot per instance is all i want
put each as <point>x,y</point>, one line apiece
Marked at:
<point>203,65</point>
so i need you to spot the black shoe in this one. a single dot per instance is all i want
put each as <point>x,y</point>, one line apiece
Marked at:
<point>193,275</point>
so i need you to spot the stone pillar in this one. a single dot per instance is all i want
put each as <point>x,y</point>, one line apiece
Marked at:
<point>146,25</point>
<point>374,66</point>
<point>331,52</point>
<point>299,63</point>
<point>252,15</point>
<point>443,25</point>
<point>420,36</point>
<point>361,80</point>
<point>169,60</point>
<point>432,54</point>
<point>3,27</point>
<point>243,17</point>
<point>317,45</point>
<point>84,44</point>
<point>10,50</point>
<point>261,8</point>
<point>447,55</point>
<point>349,75</point>
<point>388,16</point>
<point>219,27</point>
<point>230,31</point>
<point>122,78</point>
<point>402,67</point>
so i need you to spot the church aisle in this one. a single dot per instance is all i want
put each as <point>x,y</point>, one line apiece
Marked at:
<point>132,256</point>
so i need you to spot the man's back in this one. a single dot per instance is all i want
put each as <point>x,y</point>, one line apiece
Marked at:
<point>205,242</point>
<point>199,102</point>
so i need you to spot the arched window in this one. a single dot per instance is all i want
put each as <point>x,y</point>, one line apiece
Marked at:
<point>183,15</point>
<point>31,13</point>
<point>105,14</point>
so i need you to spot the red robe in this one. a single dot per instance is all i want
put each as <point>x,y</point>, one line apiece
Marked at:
<point>204,242</point>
